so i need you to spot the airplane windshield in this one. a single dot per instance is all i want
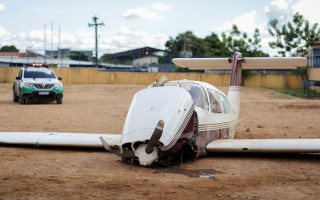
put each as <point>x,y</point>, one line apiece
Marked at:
<point>198,95</point>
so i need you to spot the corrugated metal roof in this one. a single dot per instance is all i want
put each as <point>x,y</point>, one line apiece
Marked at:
<point>55,61</point>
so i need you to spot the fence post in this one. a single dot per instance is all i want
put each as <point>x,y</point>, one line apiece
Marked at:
<point>150,64</point>
<point>79,56</point>
<point>11,59</point>
<point>133,59</point>
<point>28,56</point>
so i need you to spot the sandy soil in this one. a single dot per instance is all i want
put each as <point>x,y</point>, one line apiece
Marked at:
<point>39,173</point>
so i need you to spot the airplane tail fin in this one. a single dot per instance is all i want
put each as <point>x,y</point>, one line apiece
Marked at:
<point>237,63</point>
<point>235,83</point>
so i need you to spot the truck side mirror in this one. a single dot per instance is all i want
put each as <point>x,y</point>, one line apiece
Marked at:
<point>18,78</point>
<point>60,78</point>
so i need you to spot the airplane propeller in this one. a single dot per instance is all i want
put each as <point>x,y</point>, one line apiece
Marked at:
<point>108,148</point>
<point>155,137</point>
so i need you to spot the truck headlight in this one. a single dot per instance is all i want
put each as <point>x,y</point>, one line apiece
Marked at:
<point>28,85</point>
<point>57,85</point>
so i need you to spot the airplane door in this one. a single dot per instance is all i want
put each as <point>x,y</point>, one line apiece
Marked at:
<point>218,118</point>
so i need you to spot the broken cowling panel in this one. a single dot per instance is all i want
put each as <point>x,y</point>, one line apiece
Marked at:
<point>185,149</point>
<point>173,105</point>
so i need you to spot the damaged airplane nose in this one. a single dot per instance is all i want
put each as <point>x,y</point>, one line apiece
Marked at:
<point>146,159</point>
<point>148,153</point>
<point>156,119</point>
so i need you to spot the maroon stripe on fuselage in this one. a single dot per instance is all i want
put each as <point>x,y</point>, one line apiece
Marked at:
<point>204,137</point>
<point>171,154</point>
<point>202,140</point>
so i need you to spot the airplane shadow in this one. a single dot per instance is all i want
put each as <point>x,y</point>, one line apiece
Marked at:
<point>276,156</point>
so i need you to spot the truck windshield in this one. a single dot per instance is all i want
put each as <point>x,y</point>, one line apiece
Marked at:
<point>39,74</point>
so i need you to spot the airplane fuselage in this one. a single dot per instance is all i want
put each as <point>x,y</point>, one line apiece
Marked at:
<point>194,113</point>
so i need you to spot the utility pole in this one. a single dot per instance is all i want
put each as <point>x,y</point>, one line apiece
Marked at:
<point>44,43</point>
<point>95,24</point>
<point>51,41</point>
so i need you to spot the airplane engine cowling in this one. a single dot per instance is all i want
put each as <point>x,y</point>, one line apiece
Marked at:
<point>172,105</point>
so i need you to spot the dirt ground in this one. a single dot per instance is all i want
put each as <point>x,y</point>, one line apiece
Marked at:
<point>42,173</point>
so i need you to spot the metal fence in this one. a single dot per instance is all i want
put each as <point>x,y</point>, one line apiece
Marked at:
<point>134,63</point>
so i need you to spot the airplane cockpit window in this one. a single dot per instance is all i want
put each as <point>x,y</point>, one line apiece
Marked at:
<point>198,95</point>
<point>215,103</point>
<point>225,104</point>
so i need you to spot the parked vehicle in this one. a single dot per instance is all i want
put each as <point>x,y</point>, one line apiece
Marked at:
<point>37,81</point>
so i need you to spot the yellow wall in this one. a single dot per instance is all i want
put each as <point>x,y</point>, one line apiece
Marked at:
<point>314,74</point>
<point>93,76</point>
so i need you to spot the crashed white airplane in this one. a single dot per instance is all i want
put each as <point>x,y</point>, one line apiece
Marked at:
<point>181,120</point>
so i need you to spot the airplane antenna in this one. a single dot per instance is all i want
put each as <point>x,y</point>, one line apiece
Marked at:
<point>95,24</point>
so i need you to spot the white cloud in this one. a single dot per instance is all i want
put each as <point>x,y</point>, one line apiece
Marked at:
<point>2,7</point>
<point>109,41</point>
<point>141,13</point>
<point>3,32</point>
<point>125,39</point>
<point>309,9</point>
<point>161,6</point>
<point>280,10</point>
<point>36,35</point>
<point>245,23</point>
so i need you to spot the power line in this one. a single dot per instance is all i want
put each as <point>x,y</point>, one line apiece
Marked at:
<point>95,24</point>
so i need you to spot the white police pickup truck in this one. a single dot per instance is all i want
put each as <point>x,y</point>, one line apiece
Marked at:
<point>37,81</point>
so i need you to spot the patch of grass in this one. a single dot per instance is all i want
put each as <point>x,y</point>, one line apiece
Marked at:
<point>282,96</point>
<point>295,92</point>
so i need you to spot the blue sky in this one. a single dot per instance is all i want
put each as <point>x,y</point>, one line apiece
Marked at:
<point>131,24</point>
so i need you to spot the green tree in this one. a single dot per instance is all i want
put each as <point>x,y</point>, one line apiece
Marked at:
<point>213,46</point>
<point>294,37</point>
<point>186,41</point>
<point>11,48</point>
<point>238,41</point>
<point>75,55</point>
<point>165,59</point>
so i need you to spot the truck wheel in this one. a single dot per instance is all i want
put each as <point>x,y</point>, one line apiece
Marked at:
<point>59,100</point>
<point>15,97</point>
<point>22,101</point>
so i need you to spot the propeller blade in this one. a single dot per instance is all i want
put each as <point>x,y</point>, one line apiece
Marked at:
<point>155,137</point>
<point>108,148</point>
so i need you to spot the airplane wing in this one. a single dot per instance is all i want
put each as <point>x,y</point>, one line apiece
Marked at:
<point>59,139</point>
<point>247,63</point>
<point>265,145</point>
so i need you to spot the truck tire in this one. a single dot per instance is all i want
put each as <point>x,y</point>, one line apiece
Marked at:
<point>59,100</point>
<point>21,100</point>
<point>15,97</point>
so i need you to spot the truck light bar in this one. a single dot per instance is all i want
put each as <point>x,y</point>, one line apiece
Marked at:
<point>35,65</point>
